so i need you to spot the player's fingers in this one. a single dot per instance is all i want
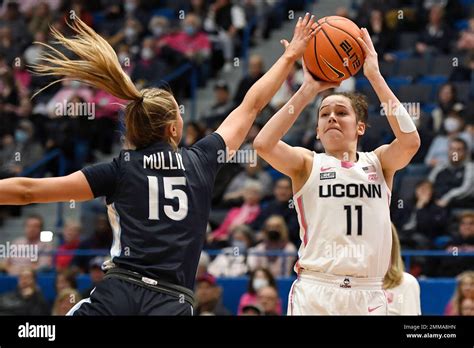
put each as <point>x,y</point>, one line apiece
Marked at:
<point>364,46</point>
<point>306,19</point>
<point>310,23</point>
<point>285,43</point>
<point>367,38</point>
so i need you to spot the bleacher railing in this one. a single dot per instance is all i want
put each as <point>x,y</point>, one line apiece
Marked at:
<point>407,255</point>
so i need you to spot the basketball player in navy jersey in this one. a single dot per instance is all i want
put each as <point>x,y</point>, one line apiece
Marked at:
<point>158,196</point>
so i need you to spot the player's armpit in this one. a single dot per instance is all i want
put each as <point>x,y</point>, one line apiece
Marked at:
<point>395,156</point>
<point>286,159</point>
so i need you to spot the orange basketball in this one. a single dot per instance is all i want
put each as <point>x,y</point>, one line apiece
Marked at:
<point>334,54</point>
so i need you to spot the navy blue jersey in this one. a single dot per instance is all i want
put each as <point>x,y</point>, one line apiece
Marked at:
<point>158,203</point>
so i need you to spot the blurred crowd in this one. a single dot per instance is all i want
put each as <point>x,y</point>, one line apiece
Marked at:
<point>253,229</point>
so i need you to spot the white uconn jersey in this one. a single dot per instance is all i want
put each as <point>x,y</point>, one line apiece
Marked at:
<point>344,216</point>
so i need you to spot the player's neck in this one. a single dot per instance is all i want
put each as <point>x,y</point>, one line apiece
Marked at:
<point>345,156</point>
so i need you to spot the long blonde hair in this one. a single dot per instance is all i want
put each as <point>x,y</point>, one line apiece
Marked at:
<point>151,110</point>
<point>394,275</point>
<point>458,296</point>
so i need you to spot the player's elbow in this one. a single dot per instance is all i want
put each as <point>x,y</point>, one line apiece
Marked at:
<point>27,192</point>
<point>415,142</point>
<point>260,145</point>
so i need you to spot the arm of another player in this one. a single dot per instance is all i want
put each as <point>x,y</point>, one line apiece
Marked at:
<point>22,191</point>
<point>235,127</point>
<point>284,158</point>
<point>399,153</point>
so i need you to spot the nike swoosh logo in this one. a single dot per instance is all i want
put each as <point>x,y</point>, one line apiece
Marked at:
<point>326,169</point>
<point>339,74</point>
<point>373,309</point>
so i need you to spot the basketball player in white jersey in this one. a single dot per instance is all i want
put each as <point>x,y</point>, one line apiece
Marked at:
<point>342,196</point>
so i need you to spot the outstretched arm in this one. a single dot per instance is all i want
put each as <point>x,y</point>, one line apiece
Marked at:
<point>284,158</point>
<point>399,153</point>
<point>22,191</point>
<point>235,127</point>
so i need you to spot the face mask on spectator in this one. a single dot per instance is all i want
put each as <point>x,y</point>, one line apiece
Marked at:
<point>273,235</point>
<point>189,30</point>
<point>259,283</point>
<point>240,245</point>
<point>21,136</point>
<point>147,53</point>
<point>451,124</point>
<point>129,6</point>
<point>122,57</point>
<point>75,84</point>
<point>130,33</point>
<point>157,31</point>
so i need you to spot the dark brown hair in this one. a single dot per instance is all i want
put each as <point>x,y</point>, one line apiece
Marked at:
<point>358,102</point>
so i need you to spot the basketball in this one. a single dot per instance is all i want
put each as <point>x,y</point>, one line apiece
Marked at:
<point>334,54</point>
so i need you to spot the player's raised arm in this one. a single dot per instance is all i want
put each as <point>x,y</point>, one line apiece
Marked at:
<point>268,143</point>
<point>399,153</point>
<point>21,191</point>
<point>235,127</point>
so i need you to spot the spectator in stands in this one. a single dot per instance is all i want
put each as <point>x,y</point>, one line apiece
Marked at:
<point>17,28</point>
<point>209,297</point>
<point>252,309</point>
<point>244,214</point>
<point>41,19</point>
<point>96,274</point>
<point>253,171</point>
<point>438,152</point>
<point>289,87</point>
<point>135,9</point>
<point>464,72</point>
<point>107,108</point>
<point>65,279</point>
<point>437,36</point>
<point>282,205</point>
<point>462,241</point>
<point>40,262</point>
<point>255,71</point>
<point>383,38</point>
<point>26,299</point>
<point>33,52</point>
<point>226,21</point>
<point>267,298</point>
<point>194,132</point>
<point>426,220</point>
<point>190,41</point>
<point>232,262</point>
<point>467,307</point>
<point>198,8</point>
<point>448,103</point>
<point>275,239</point>
<point>453,181</point>
<point>65,300</point>
<point>69,89</point>
<point>71,241</point>
<point>19,152</point>
<point>259,278</point>
<point>110,27</point>
<point>466,37</point>
<point>222,104</point>
<point>148,70</point>
<point>464,290</point>
<point>101,239</point>
<point>401,288</point>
